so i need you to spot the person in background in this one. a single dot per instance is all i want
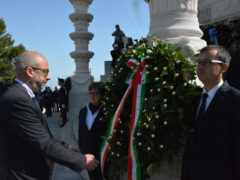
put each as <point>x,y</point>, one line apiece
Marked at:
<point>119,34</point>
<point>129,42</point>
<point>48,101</point>
<point>91,126</point>
<point>213,148</point>
<point>27,147</point>
<point>115,53</point>
<point>233,73</point>
<point>63,101</point>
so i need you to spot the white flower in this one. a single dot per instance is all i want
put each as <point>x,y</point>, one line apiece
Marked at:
<point>185,84</point>
<point>118,155</point>
<point>165,105</point>
<point>147,72</point>
<point>165,100</point>
<point>157,116</point>
<point>147,126</point>
<point>149,51</point>
<point>119,143</point>
<point>158,89</point>
<point>156,79</point>
<point>164,82</point>
<point>176,75</point>
<point>121,131</point>
<point>161,146</point>
<point>147,57</point>
<point>173,93</point>
<point>139,143</point>
<point>113,153</point>
<point>164,68</point>
<point>151,90</point>
<point>171,87</point>
<point>149,149</point>
<point>153,136</point>
<point>165,122</point>
<point>120,122</point>
<point>178,61</point>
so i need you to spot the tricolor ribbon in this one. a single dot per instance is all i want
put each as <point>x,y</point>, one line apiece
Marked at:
<point>137,82</point>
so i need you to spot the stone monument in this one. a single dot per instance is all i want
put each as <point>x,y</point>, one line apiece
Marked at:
<point>176,21</point>
<point>81,37</point>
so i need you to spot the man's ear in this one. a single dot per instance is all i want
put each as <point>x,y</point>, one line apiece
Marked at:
<point>225,67</point>
<point>29,72</point>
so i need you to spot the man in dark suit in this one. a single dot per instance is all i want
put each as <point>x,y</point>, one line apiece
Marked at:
<point>63,101</point>
<point>213,149</point>
<point>27,148</point>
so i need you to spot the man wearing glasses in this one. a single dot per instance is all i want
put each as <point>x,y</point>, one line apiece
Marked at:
<point>213,149</point>
<point>27,147</point>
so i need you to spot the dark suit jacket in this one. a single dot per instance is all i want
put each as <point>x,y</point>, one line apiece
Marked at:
<point>214,153</point>
<point>27,148</point>
<point>90,140</point>
<point>63,96</point>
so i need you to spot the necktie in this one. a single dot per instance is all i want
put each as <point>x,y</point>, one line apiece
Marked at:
<point>36,102</point>
<point>203,107</point>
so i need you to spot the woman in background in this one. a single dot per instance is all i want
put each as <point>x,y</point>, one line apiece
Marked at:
<point>92,127</point>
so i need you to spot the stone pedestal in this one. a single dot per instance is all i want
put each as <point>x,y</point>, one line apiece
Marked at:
<point>176,21</point>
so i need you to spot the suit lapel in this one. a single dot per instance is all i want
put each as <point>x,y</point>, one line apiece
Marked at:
<point>216,101</point>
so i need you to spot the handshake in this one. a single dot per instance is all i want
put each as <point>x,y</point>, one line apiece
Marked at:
<point>91,162</point>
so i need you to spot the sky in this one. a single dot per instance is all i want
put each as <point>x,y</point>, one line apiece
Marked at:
<point>44,26</point>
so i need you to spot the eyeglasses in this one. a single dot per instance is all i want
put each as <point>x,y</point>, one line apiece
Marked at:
<point>208,62</point>
<point>93,94</point>
<point>45,71</point>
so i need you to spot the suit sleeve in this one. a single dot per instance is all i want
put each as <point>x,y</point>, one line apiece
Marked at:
<point>26,122</point>
<point>236,138</point>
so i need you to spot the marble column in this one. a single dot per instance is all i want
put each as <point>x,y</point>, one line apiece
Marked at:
<point>176,21</point>
<point>81,37</point>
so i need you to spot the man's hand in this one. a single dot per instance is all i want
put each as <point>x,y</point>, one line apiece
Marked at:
<point>91,162</point>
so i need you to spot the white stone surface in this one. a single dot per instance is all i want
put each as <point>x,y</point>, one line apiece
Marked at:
<point>176,21</point>
<point>211,11</point>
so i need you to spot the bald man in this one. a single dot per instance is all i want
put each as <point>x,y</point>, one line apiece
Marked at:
<point>27,147</point>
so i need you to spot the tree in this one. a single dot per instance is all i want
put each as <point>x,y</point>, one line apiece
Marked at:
<point>7,53</point>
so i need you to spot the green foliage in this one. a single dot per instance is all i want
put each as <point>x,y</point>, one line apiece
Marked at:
<point>167,108</point>
<point>7,53</point>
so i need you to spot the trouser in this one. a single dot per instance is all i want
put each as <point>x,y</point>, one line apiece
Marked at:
<point>64,115</point>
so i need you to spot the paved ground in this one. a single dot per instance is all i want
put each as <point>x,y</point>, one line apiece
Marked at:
<point>62,172</point>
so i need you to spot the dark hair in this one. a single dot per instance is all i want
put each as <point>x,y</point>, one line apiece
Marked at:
<point>222,53</point>
<point>98,86</point>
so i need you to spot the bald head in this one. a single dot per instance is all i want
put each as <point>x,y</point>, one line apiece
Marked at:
<point>28,58</point>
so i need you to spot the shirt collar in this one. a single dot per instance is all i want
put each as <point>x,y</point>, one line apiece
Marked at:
<point>25,86</point>
<point>213,91</point>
